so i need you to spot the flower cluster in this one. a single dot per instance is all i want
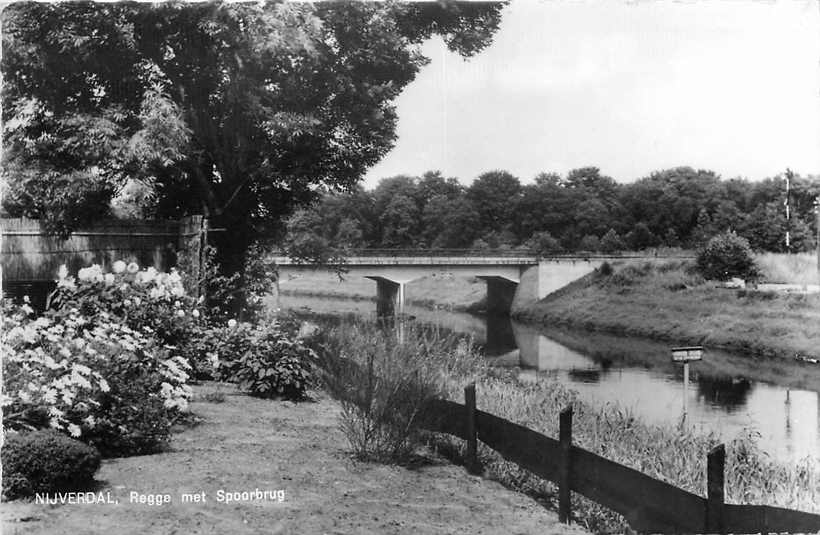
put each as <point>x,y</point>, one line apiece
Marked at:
<point>127,278</point>
<point>59,369</point>
<point>139,298</point>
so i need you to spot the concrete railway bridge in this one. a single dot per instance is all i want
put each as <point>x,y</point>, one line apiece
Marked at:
<point>513,278</point>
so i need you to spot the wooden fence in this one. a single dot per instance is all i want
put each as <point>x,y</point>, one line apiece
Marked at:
<point>31,257</point>
<point>649,505</point>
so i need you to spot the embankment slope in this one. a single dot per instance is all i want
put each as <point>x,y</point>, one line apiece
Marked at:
<point>667,301</point>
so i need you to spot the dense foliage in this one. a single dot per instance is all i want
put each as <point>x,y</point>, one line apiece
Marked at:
<point>726,256</point>
<point>583,211</point>
<point>265,361</point>
<point>45,461</point>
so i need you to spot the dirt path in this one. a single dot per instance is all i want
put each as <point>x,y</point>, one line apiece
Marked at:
<point>243,444</point>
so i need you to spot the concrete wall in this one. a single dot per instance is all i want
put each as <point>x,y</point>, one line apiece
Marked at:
<point>537,282</point>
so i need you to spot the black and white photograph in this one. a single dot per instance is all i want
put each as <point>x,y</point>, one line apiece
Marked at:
<point>410,267</point>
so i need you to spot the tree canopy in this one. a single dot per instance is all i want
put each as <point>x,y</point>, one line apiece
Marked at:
<point>238,111</point>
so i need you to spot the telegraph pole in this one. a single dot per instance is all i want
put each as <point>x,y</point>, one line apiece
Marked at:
<point>787,202</point>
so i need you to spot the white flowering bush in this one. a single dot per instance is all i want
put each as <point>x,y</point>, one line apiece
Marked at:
<point>93,378</point>
<point>140,299</point>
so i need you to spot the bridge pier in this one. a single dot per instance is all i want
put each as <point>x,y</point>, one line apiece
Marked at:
<point>389,297</point>
<point>500,294</point>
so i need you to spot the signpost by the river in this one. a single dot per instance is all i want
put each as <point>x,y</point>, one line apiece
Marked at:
<point>686,355</point>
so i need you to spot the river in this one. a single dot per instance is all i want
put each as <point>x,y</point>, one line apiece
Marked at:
<point>728,393</point>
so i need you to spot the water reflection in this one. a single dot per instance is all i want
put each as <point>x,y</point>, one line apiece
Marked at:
<point>585,376</point>
<point>728,393</point>
<point>500,339</point>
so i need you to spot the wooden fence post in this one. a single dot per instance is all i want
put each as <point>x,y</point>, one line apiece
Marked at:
<point>715,462</point>
<point>470,428</point>
<point>565,467</point>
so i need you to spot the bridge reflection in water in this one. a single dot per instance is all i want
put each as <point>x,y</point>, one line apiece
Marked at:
<point>728,392</point>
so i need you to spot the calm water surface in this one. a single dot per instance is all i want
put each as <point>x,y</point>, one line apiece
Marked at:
<point>727,393</point>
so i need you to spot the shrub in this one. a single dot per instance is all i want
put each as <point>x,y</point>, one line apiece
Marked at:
<point>631,274</point>
<point>266,362</point>
<point>225,292</point>
<point>612,242</point>
<point>725,256</point>
<point>640,237</point>
<point>98,381</point>
<point>543,243</point>
<point>45,461</point>
<point>590,242</point>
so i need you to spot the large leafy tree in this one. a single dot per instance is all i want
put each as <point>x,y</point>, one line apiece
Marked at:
<point>238,111</point>
<point>495,195</point>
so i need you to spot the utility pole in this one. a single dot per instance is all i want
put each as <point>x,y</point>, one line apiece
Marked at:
<point>787,202</point>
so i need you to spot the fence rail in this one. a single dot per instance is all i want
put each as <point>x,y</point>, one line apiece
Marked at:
<point>647,504</point>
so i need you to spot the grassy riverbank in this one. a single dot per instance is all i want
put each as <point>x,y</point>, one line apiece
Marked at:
<point>666,452</point>
<point>668,301</point>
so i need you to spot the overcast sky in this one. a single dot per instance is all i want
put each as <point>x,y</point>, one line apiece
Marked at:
<point>632,87</point>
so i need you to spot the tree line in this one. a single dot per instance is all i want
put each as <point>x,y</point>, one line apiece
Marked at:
<point>584,210</point>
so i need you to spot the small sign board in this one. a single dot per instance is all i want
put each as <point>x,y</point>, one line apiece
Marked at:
<point>686,354</point>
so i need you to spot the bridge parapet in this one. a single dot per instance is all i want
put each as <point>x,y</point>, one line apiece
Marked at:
<point>467,257</point>
<point>424,261</point>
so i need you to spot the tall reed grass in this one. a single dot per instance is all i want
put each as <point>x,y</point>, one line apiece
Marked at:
<point>383,383</point>
<point>436,364</point>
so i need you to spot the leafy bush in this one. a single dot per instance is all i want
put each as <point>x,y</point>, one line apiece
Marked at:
<point>224,292</point>
<point>640,237</point>
<point>590,242</point>
<point>725,256</point>
<point>612,242</point>
<point>45,461</point>
<point>98,381</point>
<point>265,361</point>
<point>543,243</point>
